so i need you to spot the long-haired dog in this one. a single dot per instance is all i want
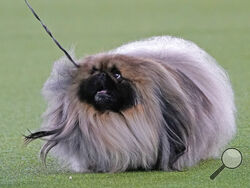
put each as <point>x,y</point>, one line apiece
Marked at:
<point>161,103</point>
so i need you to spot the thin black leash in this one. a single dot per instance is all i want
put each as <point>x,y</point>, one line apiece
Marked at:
<point>50,34</point>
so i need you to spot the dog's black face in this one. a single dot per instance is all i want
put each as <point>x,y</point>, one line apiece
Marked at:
<point>107,90</point>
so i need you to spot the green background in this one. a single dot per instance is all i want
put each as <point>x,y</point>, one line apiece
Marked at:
<point>221,27</point>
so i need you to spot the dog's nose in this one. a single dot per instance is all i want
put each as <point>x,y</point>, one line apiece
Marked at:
<point>102,75</point>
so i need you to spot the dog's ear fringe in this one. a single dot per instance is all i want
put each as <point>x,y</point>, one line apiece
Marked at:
<point>36,135</point>
<point>51,142</point>
<point>178,120</point>
<point>177,130</point>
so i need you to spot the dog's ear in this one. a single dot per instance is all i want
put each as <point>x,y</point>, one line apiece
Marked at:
<point>176,128</point>
<point>177,132</point>
<point>178,120</point>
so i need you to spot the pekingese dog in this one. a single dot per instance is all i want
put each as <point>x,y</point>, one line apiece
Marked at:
<point>161,103</point>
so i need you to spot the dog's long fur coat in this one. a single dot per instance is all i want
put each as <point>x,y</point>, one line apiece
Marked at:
<point>184,110</point>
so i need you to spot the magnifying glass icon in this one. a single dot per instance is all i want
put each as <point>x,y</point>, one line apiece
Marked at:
<point>231,158</point>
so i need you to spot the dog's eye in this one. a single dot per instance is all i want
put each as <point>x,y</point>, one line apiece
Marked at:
<point>94,69</point>
<point>117,76</point>
<point>116,73</point>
